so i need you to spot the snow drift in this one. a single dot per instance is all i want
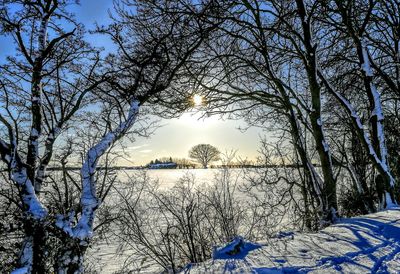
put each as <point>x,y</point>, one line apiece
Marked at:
<point>367,244</point>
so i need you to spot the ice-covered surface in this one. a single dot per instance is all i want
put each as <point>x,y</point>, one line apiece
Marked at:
<point>367,244</point>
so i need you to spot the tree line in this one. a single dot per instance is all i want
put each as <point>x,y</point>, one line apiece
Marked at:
<point>202,153</point>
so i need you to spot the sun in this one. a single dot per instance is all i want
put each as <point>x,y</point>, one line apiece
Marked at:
<point>197,100</point>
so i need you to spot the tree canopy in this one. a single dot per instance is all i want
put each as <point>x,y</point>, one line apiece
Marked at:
<point>204,154</point>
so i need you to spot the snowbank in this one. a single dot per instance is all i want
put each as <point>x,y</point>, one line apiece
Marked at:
<point>368,244</point>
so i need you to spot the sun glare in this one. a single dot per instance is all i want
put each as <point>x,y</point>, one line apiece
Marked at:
<point>197,100</point>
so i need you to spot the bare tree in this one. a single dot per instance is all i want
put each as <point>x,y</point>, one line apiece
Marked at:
<point>177,226</point>
<point>39,103</point>
<point>359,29</point>
<point>150,59</point>
<point>60,71</point>
<point>204,154</point>
<point>277,190</point>
<point>247,71</point>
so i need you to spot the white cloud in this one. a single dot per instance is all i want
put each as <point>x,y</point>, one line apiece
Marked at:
<point>129,149</point>
<point>137,147</point>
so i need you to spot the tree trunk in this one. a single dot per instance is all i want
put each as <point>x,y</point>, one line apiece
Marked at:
<point>39,249</point>
<point>386,182</point>
<point>376,147</point>
<point>33,250</point>
<point>36,101</point>
<point>310,64</point>
<point>70,259</point>
<point>312,182</point>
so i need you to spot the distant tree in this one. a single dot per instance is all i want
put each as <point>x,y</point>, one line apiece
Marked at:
<point>204,154</point>
<point>166,160</point>
<point>183,162</point>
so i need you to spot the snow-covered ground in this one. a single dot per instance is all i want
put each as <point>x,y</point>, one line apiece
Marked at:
<point>367,244</point>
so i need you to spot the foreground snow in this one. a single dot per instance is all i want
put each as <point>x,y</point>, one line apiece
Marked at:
<point>368,244</point>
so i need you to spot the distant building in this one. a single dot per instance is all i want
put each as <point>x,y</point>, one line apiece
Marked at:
<point>163,165</point>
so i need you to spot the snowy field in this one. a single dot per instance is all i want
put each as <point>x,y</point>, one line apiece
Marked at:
<point>105,254</point>
<point>368,244</point>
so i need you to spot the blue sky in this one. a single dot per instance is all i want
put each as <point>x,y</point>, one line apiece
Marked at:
<point>176,136</point>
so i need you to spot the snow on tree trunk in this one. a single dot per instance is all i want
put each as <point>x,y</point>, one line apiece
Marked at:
<point>18,174</point>
<point>377,111</point>
<point>33,208</point>
<point>36,101</point>
<point>83,229</point>
<point>378,151</point>
<point>364,137</point>
<point>80,235</point>
<point>376,121</point>
<point>26,257</point>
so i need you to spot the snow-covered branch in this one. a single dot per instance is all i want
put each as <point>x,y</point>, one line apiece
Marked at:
<point>32,206</point>
<point>356,121</point>
<point>89,202</point>
<point>18,174</point>
<point>377,111</point>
